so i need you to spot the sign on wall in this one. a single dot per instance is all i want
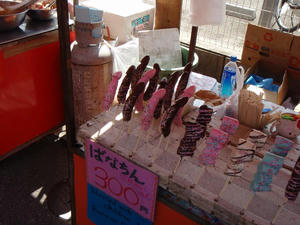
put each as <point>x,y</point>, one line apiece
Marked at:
<point>119,191</point>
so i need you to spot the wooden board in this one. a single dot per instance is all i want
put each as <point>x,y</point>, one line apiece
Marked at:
<point>205,187</point>
<point>168,14</point>
<point>210,64</point>
<point>19,47</point>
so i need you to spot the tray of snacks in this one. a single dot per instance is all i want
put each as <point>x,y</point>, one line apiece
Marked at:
<point>42,10</point>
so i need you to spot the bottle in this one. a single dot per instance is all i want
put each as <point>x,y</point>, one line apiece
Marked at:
<point>229,78</point>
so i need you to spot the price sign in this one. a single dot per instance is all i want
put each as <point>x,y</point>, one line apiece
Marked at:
<point>119,191</point>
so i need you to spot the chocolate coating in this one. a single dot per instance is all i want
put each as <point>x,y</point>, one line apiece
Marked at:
<point>139,71</point>
<point>184,79</point>
<point>170,89</point>
<point>131,100</point>
<point>205,114</point>
<point>170,115</point>
<point>125,85</point>
<point>293,186</point>
<point>152,83</point>
<point>204,117</point>
<point>157,112</point>
<point>188,144</point>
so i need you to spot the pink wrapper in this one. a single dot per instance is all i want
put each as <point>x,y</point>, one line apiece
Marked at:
<point>111,91</point>
<point>145,79</point>
<point>150,108</point>
<point>189,92</point>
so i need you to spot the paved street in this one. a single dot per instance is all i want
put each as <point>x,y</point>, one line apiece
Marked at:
<point>29,182</point>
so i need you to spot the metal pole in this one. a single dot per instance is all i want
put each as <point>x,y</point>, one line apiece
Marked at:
<point>66,72</point>
<point>267,13</point>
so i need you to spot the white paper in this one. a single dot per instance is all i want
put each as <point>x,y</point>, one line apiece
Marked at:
<point>202,82</point>
<point>205,12</point>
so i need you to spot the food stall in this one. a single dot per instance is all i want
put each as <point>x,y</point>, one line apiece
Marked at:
<point>31,80</point>
<point>213,165</point>
<point>202,164</point>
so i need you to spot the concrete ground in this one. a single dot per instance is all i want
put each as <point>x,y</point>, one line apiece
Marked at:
<point>32,188</point>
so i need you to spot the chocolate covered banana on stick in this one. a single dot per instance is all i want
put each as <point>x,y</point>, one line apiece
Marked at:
<point>204,117</point>
<point>150,108</point>
<point>131,100</point>
<point>170,114</point>
<point>145,79</point>
<point>153,83</point>
<point>162,84</point>
<point>189,92</point>
<point>184,79</point>
<point>139,71</point>
<point>188,144</point>
<point>111,91</point>
<point>214,144</point>
<point>293,186</point>
<point>170,89</point>
<point>125,85</point>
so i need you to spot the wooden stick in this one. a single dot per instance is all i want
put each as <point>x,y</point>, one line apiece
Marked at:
<point>129,126</point>
<point>168,139</point>
<point>160,140</point>
<point>167,144</point>
<point>155,152</point>
<point>177,165</point>
<point>279,210</point>
<point>137,143</point>
<point>119,134</point>
<point>249,201</point>
<point>116,112</point>
<point>228,181</point>
<point>147,135</point>
<point>199,177</point>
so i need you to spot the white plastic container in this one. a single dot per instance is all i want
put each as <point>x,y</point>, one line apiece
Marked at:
<point>124,18</point>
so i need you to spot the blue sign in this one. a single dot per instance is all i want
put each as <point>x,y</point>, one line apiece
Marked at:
<point>105,210</point>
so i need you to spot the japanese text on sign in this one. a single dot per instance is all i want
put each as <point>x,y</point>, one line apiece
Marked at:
<point>121,179</point>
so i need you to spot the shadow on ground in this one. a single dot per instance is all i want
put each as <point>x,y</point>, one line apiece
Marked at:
<point>32,183</point>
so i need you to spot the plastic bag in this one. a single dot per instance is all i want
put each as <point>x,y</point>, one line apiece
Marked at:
<point>231,104</point>
<point>125,55</point>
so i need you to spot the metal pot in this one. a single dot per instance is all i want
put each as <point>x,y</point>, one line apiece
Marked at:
<point>13,20</point>
<point>42,14</point>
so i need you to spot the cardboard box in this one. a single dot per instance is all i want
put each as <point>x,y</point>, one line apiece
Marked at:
<point>124,18</point>
<point>269,70</point>
<point>272,54</point>
<point>270,46</point>
<point>294,89</point>
<point>294,58</point>
<point>293,83</point>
